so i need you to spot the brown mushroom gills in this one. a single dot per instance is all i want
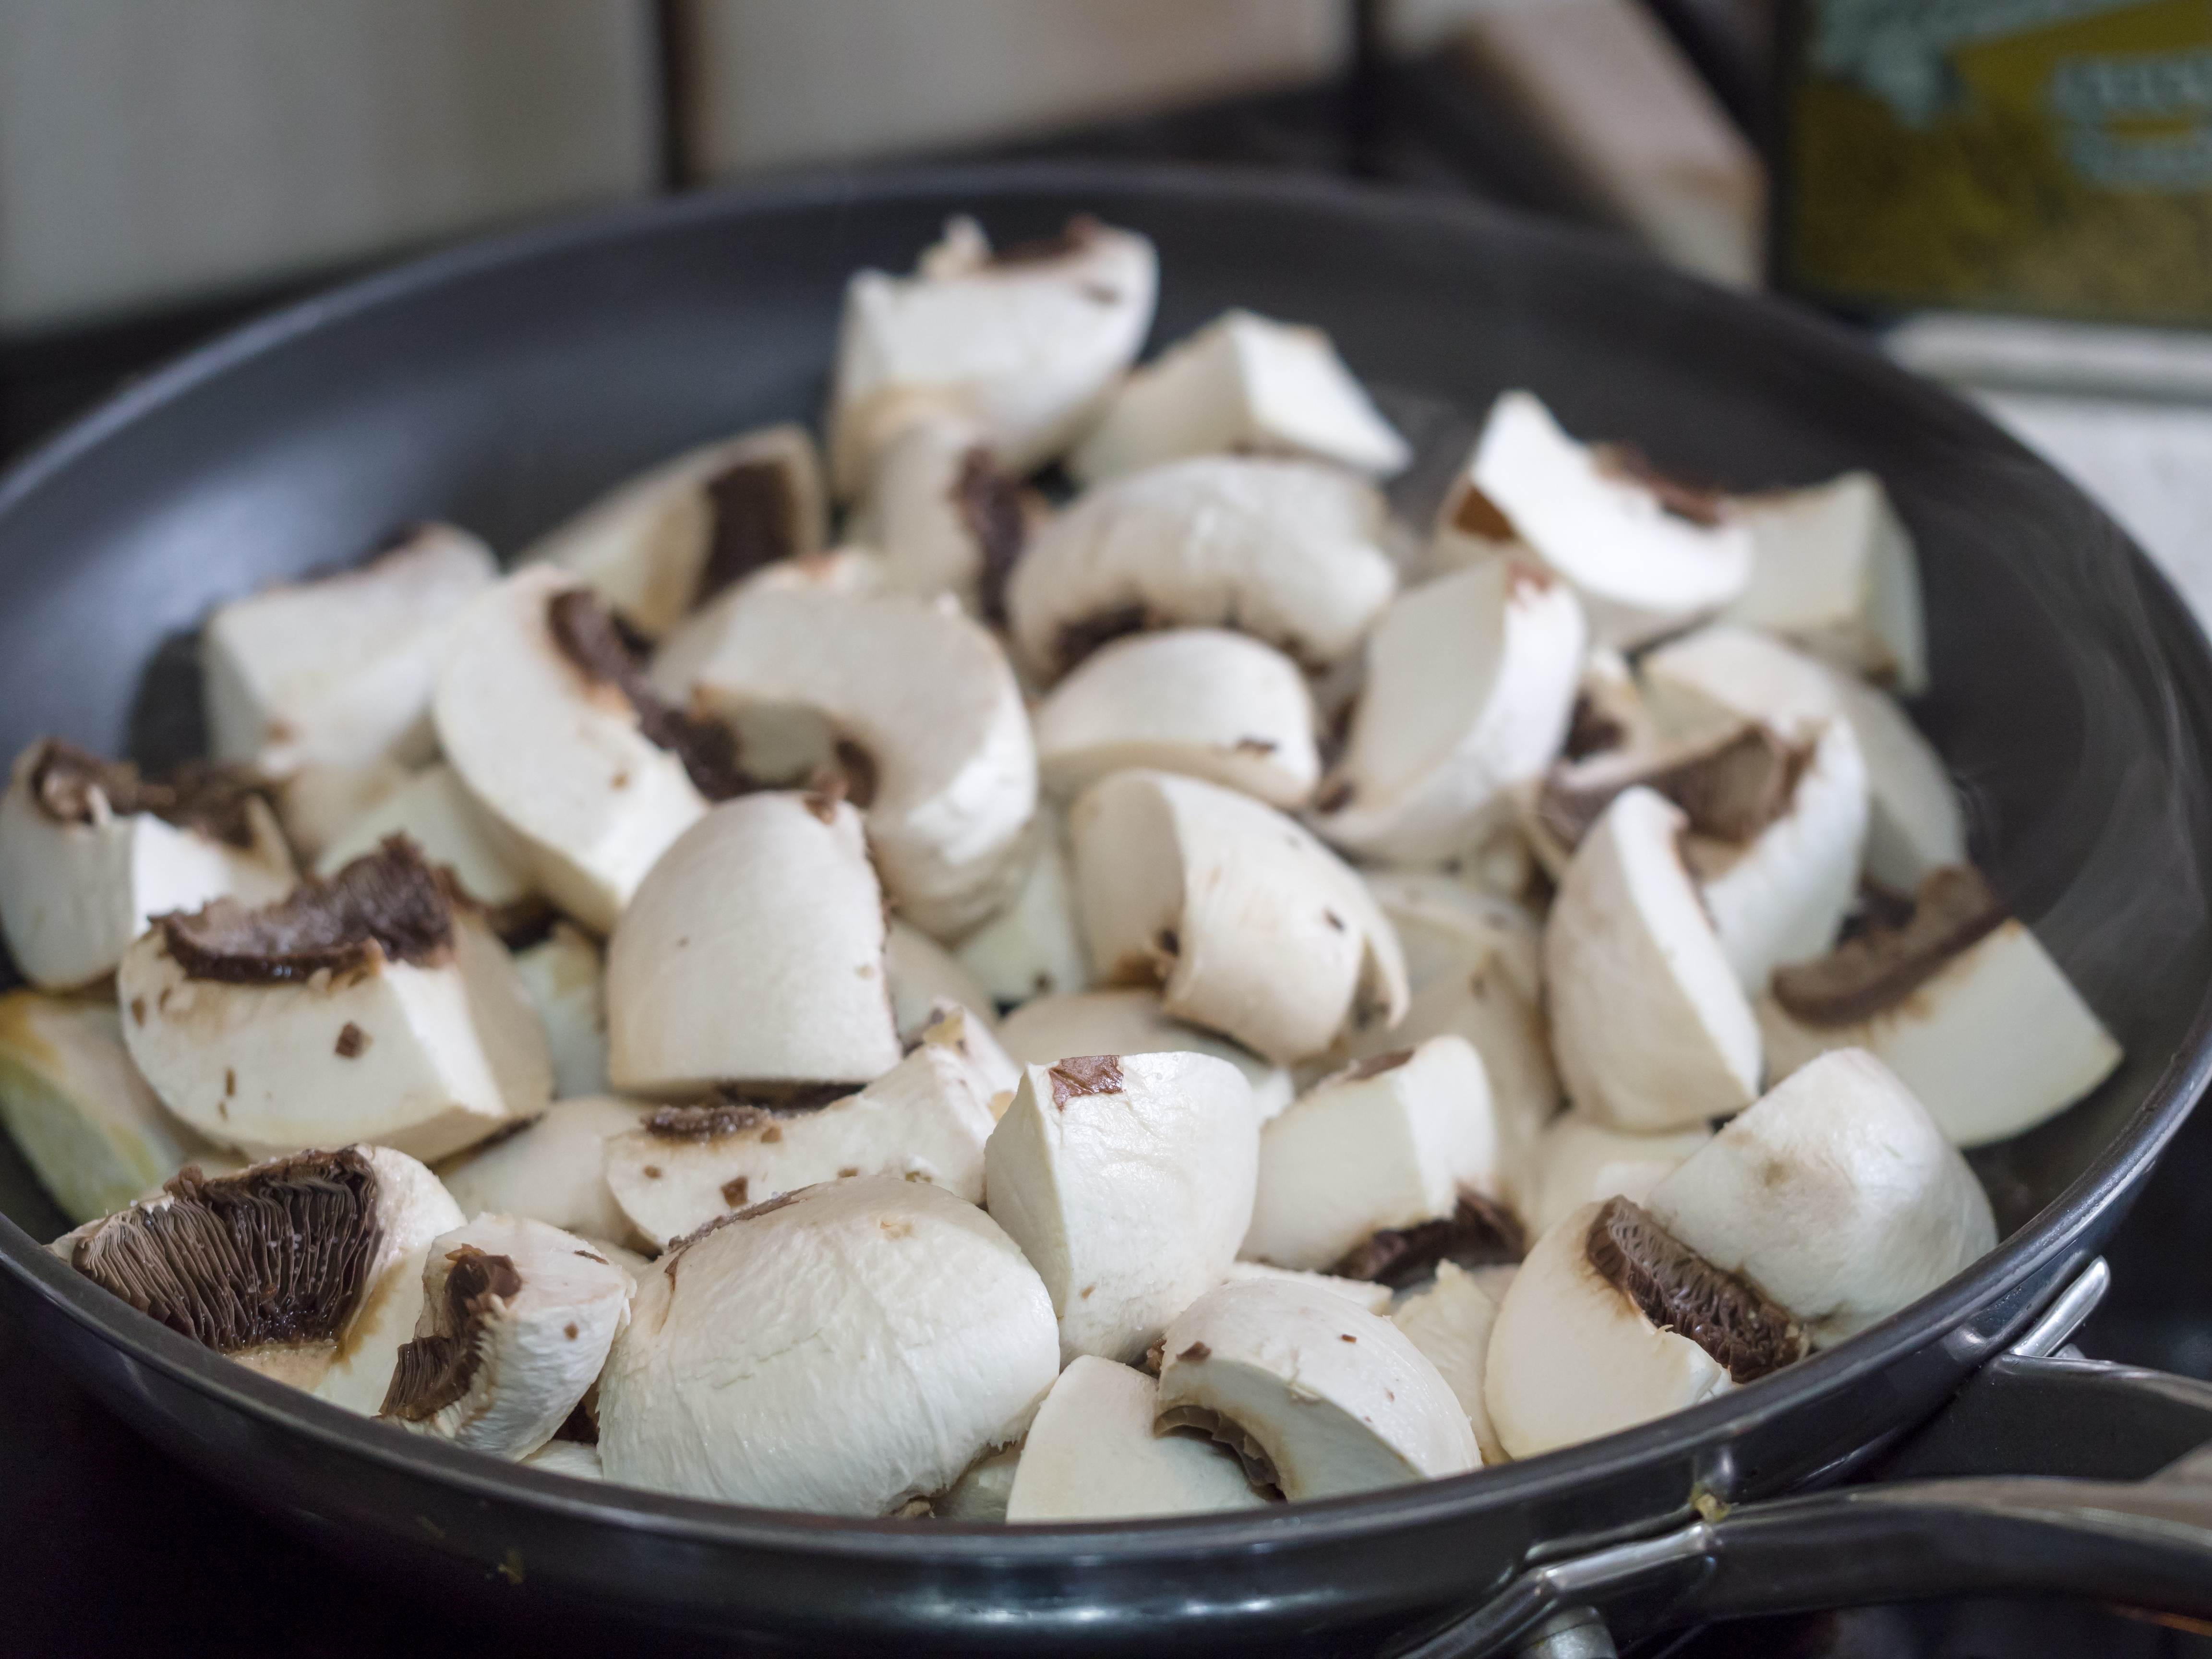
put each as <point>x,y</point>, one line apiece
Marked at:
<point>1679,1290</point>
<point>1955,909</point>
<point>386,905</point>
<point>434,1371</point>
<point>1479,1231</point>
<point>209,799</point>
<point>1731,784</point>
<point>589,634</point>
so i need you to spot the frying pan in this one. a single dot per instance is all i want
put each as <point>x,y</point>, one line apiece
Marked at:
<point>500,385</point>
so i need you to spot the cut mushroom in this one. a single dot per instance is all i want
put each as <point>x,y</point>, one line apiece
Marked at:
<point>922,972</point>
<point>367,1007</point>
<point>840,1350</point>
<point>1368,1172</point>
<point>1365,1294</point>
<point>306,1268</point>
<point>566,982</point>
<point>767,910</point>
<point>517,1317</point>
<point>1962,1003</point>
<point>1833,569</point>
<point>947,518</point>
<point>340,670</point>
<point>433,809</point>
<point>1646,554</point>
<point>1611,1322</point>
<point>922,716</point>
<point>573,1458</point>
<point>90,852</point>
<point>667,541</point>
<point>1472,679</point>
<point>1578,1160</point>
<point>1034,946</point>
<point>1287,551</point>
<point>1254,927</point>
<point>1318,1398</point>
<point>1451,1323</point>
<point>979,1493</point>
<point>1837,1194</point>
<point>1131,1022</point>
<point>1128,1181</point>
<point>1027,342</point>
<point>1650,1029</point>
<point>1091,1454</point>
<point>318,803</point>
<point>553,1169</point>
<point>1247,385</point>
<point>1199,701</point>
<point>546,718</point>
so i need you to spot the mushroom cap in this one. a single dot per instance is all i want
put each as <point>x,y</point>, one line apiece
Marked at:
<point>1471,683</point>
<point>556,757</point>
<point>1451,1323</point>
<point>1836,1193</point>
<point>1027,343</point>
<point>1577,1160</point>
<point>552,1169</point>
<point>1243,383</point>
<point>1365,1294</point>
<point>1091,1454</point>
<point>1127,1181</point>
<point>921,973</point>
<point>1033,946</point>
<point>1256,929</point>
<point>565,978</point>
<point>1204,702</point>
<point>768,904</point>
<point>1328,1399</point>
<point>926,695</point>
<point>1131,1022</point>
<point>434,810</point>
<point>839,1350</point>
<point>1284,551</point>
<point>1650,1030</point>
<point>340,670</point>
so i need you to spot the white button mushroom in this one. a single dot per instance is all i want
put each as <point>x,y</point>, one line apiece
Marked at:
<point>841,1349</point>
<point>1131,1022</point>
<point>946,516</point>
<point>1360,1293</point>
<point>366,1007</point>
<point>1034,945</point>
<point>1246,384</point>
<point>89,852</point>
<point>1128,1181</point>
<point>768,906</point>
<point>1255,929</point>
<point>565,979</point>
<point>1091,1454</point>
<point>434,810</point>
<point>1577,1160</point>
<point>1451,1323</point>
<point>1318,1398</point>
<point>1837,1194</point>
<point>922,972</point>
<point>552,1169</point>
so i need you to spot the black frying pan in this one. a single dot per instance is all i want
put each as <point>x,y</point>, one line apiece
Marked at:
<point>502,386</point>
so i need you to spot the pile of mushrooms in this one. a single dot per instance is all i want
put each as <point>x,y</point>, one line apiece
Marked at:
<point>1171,991</point>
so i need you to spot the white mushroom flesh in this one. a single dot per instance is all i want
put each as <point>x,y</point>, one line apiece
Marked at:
<point>434,810</point>
<point>566,982</point>
<point>1131,1022</point>
<point>1577,1160</point>
<point>1361,1292</point>
<point>1451,1323</point>
<point>553,1169</point>
<point>1034,945</point>
<point>1092,1455</point>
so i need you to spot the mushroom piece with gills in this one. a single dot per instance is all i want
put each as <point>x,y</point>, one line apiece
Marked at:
<point>767,905</point>
<point>1650,1029</point>
<point>1451,1323</point>
<point>566,981</point>
<point>545,713</point>
<point>1254,928</point>
<point>1611,1321</point>
<point>1577,1160</point>
<point>1287,551</point>
<point>1026,342</point>
<point>1203,702</point>
<point>1131,1022</point>
<point>840,1350</point>
<point>665,542</point>
<point>90,852</point>
<point>1092,1455</point>
<point>1128,1182</point>
<point>1243,384</point>
<point>1472,679</point>
<point>1317,1397</point>
<point>921,973</point>
<point>922,714</point>
<point>1961,1002</point>
<point>366,1007</point>
<point>434,810</point>
<point>1034,945</point>
<point>552,1169</point>
<point>1837,1194</point>
<point>517,1318</point>
<point>944,515</point>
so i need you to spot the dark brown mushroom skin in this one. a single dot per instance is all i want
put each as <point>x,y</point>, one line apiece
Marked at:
<point>1084,1074</point>
<point>1679,1290</point>
<point>434,1371</point>
<point>1884,964</point>
<point>388,905</point>
<point>210,798</point>
<point>590,636</point>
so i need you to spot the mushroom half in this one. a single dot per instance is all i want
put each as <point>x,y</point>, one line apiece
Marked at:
<point>1131,1022</point>
<point>1092,1455</point>
<point>1033,946</point>
<point>921,973</point>
<point>942,512</point>
<point>1450,1322</point>
<point>433,809</point>
<point>552,1169</point>
<point>566,978</point>
<point>1577,1160</point>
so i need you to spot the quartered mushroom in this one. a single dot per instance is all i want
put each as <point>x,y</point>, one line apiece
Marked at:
<point>545,715</point>
<point>1128,1181</point>
<point>1451,1323</point>
<point>308,1268</point>
<point>1836,1194</point>
<point>434,810</point>
<point>753,954</point>
<point>1203,702</point>
<point>1650,1029</point>
<point>1091,1454</point>
<point>664,543</point>
<point>517,1318</point>
<point>318,803</point>
<point>979,1493</point>
<point>367,1007</point>
<point>943,514</point>
<point>1033,946</point>
<point>921,973</point>
<point>1960,1001</point>
<point>1027,341</point>
<point>339,672</point>
<point>552,1169</point>
<point>90,852</point>
<point>1131,1022</point>
<point>1252,927</point>
<point>1246,385</point>
<point>921,714</point>
<point>842,1349</point>
<point>1472,679</point>
<point>1367,1293</point>
<point>566,980</point>
<point>1577,1160</point>
<point>1611,1321</point>
<point>1646,554</point>
<point>1287,551</point>
<point>1377,1171</point>
<point>1318,1398</point>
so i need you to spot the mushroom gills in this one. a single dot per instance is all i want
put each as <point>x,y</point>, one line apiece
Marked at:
<point>1092,1455</point>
